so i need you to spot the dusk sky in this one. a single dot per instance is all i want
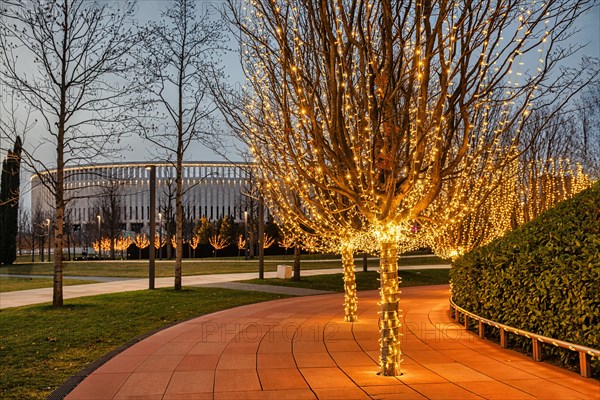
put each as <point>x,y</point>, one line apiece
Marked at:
<point>136,149</point>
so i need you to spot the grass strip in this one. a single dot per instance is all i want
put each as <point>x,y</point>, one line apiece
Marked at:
<point>11,284</point>
<point>165,268</point>
<point>43,346</point>
<point>364,280</point>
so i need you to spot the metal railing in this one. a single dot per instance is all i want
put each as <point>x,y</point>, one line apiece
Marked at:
<point>536,340</point>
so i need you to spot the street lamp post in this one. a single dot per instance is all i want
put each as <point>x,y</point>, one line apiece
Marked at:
<point>99,237</point>
<point>247,249</point>
<point>48,221</point>
<point>160,235</point>
<point>152,216</point>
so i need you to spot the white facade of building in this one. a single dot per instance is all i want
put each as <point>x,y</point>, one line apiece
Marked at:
<point>212,190</point>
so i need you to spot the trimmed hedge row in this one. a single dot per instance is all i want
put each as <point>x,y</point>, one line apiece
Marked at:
<point>543,277</point>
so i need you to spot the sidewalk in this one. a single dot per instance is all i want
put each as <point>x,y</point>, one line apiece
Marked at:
<point>44,295</point>
<point>300,348</point>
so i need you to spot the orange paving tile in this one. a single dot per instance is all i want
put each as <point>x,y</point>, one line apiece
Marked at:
<point>144,384</point>
<point>198,362</point>
<point>301,348</point>
<point>190,382</point>
<point>281,379</point>
<point>275,361</point>
<point>344,393</point>
<point>159,363</point>
<point>393,393</point>
<point>99,386</point>
<point>495,390</point>
<point>237,361</point>
<point>444,391</point>
<point>236,380</point>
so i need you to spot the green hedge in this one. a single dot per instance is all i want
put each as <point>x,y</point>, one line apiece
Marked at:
<point>543,277</point>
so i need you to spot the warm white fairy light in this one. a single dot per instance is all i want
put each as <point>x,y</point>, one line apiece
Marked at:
<point>523,191</point>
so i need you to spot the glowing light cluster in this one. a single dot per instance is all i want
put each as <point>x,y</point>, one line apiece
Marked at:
<point>521,193</point>
<point>141,241</point>
<point>120,244</point>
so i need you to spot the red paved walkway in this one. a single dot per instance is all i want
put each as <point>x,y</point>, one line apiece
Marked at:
<point>300,348</point>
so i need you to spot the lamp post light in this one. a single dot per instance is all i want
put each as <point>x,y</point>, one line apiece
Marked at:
<point>99,236</point>
<point>48,222</point>
<point>247,249</point>
<point>160,235</point>
<point>152,217</point>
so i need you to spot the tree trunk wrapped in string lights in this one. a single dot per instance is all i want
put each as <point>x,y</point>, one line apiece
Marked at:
<point>365,110</point>
<point>350,296</point>
<point>389,324</point>
<point>332,228</point>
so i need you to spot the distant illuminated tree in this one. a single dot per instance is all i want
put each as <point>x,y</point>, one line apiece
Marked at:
<point>226,228</point>
<point>194,242</point>
<point>268,241</point>
<point>287,242</point>
<point>96,246</point>
<point>365,110</point>
<point>159,241</point>
<point>522,193</point>
<point>122,244</point>
<point>241,244</point>
<point>106,244</point>
<point>141,241</point>
<point>174,242</point>
<point>109,202</point>
<point>218,242</point>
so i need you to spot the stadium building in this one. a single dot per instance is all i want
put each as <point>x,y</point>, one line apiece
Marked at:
<point>212,190</point>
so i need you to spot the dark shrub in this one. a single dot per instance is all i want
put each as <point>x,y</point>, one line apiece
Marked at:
<point>543,277</point>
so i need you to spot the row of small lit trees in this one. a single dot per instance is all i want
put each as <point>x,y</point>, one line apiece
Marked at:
<point>216,241</point>
<point>103,245</point>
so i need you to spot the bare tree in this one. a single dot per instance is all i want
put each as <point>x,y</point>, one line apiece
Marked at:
<point>368,108</point>
<point>188,224</point>
<point>24,236</point>
<point>177,53</point>
<point>110,207</point>
<point>589,129</point>
<point>166,199</point>
<point>77,49</point>
<point>39,231</point>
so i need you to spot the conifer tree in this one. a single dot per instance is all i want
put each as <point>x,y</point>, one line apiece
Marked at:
<point>9,204</point>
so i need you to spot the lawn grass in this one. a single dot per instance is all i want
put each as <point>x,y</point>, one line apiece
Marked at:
<point>139,269</point>
<point>11,284</point>
<point>364,280</point>
<point>42,347</point>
